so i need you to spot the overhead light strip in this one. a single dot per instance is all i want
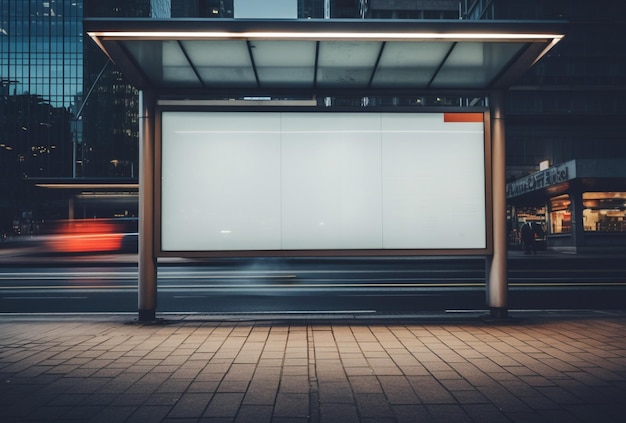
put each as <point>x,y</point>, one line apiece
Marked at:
<point>88,186</point>
<point>417,36</point>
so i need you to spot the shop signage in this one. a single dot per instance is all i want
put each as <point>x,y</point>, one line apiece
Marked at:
<point>545,178</point>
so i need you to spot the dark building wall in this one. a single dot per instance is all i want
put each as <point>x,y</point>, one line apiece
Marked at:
<point>109,146</point>
<point>570,104</point>
<point>413,9</point>
<point>310,9</point>
<point>344,9</point>
<point>202,8</point>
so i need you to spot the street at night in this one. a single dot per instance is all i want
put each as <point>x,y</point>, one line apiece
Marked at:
<point>108,283</point>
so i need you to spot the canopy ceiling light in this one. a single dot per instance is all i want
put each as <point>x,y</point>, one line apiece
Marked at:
<point>315,56</point>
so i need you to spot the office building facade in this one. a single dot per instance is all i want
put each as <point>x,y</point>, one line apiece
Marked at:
<point>41,84</point>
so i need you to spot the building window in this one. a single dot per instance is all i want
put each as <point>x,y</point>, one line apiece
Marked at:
<point>560,215</point>
<point>604,211</point>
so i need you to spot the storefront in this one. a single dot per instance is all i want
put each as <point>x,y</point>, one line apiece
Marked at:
<point>580,205</point>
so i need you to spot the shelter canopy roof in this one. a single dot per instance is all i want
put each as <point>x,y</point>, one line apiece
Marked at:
<point>322,56</point>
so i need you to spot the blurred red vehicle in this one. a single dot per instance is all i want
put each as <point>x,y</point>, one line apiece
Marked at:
<point>91,235</point>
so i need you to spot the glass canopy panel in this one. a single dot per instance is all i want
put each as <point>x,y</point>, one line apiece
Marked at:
<point>346,64</point>
<point>409,64</point>
<point>224,63</point>
<point>284,63</point>
<point>164,62</point>
<point>475,64</point>
<point>176,69</point>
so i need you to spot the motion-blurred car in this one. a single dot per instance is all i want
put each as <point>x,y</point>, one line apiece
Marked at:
<point>92,236</point>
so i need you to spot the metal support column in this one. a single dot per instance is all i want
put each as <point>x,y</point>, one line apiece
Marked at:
<point>147,260</point>
<point>497,285</point>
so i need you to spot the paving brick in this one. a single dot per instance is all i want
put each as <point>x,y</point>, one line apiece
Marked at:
<point>411,413</point>
<point>398,390</point>
<point>365,384</point>
<point>294,384</point>
<point>430,391</point>
<point>207,371</point>
<point>261,393</point>
<point>373,406</point>
<point>190,405</point>
<point>291,405</point>
<point>485,413</point>
<point>337,412</point>
<point>113,413</point>
<point>149,414</point>
<point>335,392</point>
<point>174,385</point>
<point>224,405</point>
<point>255,414</point>
<point>448,413</point>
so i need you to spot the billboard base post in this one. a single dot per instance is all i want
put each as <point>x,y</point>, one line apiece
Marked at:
<point>497,284</point>
<point>147,315</point>
<point>498,313</point>
<point>147,266</point>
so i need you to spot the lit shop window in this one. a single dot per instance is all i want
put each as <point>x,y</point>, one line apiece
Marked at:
<point>604,211</point>
<point>560,215</point>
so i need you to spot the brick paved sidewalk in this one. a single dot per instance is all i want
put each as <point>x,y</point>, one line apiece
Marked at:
<point>190,369</point>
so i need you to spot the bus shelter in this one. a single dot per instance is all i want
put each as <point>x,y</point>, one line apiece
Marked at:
<point>241,154</point>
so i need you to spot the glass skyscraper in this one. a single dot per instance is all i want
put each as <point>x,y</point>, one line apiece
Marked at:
<point>41,83</point>
<point>41,77</point>
<point>41,49</point>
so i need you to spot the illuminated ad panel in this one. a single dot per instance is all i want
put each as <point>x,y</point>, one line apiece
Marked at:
<point>287,181</point>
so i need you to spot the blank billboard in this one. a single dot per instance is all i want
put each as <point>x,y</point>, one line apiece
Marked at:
<point>297,181</point>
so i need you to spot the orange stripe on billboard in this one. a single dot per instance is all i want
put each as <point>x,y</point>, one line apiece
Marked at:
<point>462,117</point>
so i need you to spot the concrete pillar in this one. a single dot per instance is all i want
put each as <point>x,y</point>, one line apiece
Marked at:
<point>497,285</point>
<point>147,258</point>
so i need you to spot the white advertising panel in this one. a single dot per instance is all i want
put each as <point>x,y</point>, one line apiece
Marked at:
<point>273,181</point>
